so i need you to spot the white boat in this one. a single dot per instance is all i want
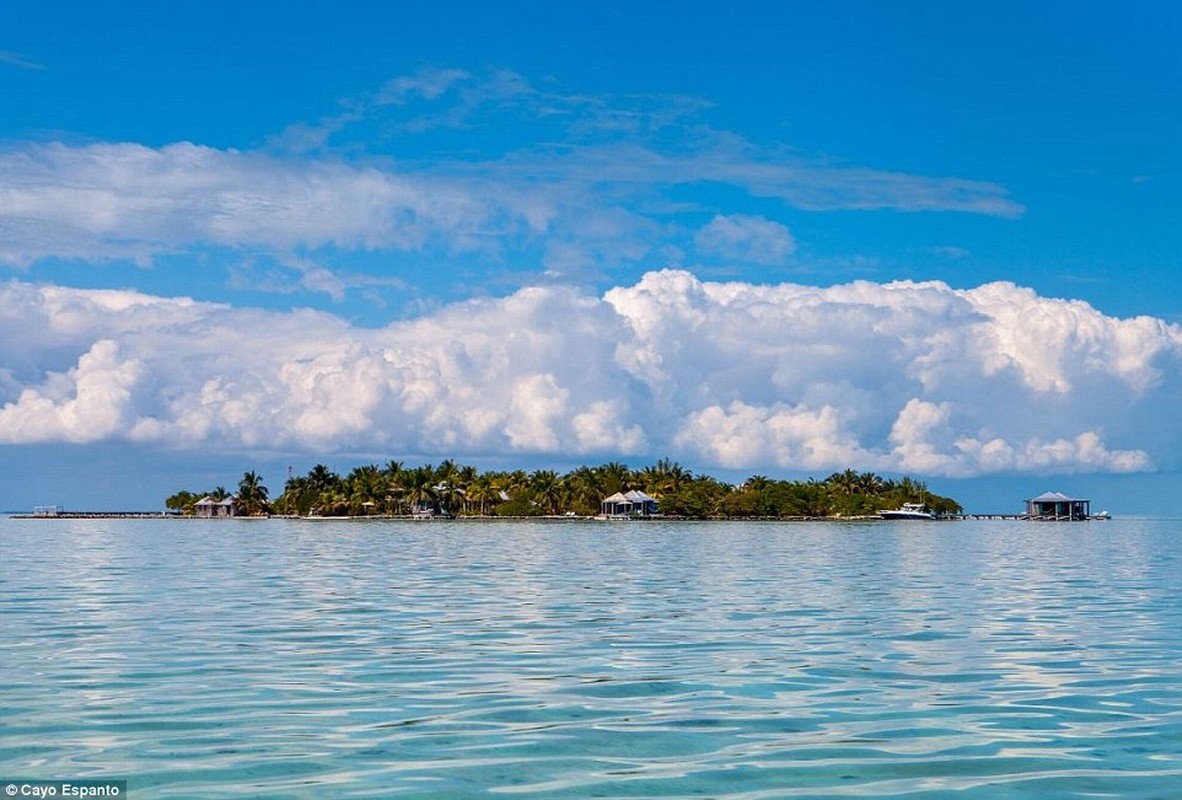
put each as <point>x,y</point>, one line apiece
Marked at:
<point>908,511</point>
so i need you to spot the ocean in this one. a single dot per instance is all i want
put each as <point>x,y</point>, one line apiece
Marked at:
<point>578,659</point>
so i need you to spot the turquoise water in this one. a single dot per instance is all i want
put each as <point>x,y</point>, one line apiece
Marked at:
<point>577,660</point>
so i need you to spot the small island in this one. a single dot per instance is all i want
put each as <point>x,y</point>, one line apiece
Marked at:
<point>453,490</point>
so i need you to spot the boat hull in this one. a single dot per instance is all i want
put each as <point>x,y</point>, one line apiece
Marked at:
<point>908,511</point>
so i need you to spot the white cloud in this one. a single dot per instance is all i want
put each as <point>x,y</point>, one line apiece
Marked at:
<point>743,238</point>
<point>536,407</point>
<point>900,376</point>
<point>569,182</point>
<point>603,428</point>
<point>91,402</point>
<point>743,435</point>
<point>925,441</point>
<point>19,61</point>
<point>110,201</point>
<point>428,83</point>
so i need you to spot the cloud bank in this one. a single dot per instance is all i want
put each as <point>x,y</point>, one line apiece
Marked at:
<point>912,377</point>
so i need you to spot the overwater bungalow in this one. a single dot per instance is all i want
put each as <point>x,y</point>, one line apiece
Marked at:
<point>1058,507</point>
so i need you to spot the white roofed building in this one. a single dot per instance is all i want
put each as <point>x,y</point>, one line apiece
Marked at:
<point>1057,506</point>
<point>629,504</point>
<point>208,508</point>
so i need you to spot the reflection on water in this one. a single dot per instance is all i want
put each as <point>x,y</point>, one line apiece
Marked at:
<point>446,660</point>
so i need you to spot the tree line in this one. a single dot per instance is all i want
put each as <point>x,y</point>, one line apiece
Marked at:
<point>451,489</point>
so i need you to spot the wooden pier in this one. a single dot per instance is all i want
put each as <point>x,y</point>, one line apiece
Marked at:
<point>1028,517</point>
<point>99,515</point>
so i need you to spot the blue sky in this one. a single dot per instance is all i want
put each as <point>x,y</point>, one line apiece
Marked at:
<point>251,235</point>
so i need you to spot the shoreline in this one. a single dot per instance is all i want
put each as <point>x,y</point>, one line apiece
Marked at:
<point>99,515</point>
<point>173,515</point>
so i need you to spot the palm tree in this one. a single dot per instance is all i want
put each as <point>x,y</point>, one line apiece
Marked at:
<point>252,495</point>
<point>420,488</point>
<point>583,484</point>
<point>614,477</point>
<point>449,495</point>
<point>756,483</point>
<point>664,477</point>
<point>183,502</point>
<point>869,483</point>
<point>547,489</point>
<point>446,471</point>
<point>844,482</point>
<point>333,502</point>
<point>395,475</point>
<point>451,479</point>
<point>321,477</point>
<point>324,486</point>
<point>912,490</point>
<point>297,496</point>
<point>482,491</point>
<point>464,478</point>
<point>515,481</point>
<point>366,489</point>
<point>815,498</point>
<point>676,476</point>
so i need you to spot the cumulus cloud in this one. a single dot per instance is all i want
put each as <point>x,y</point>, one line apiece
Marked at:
<point>90,402</point>
<point>742,435</point>
<point>913,377</point>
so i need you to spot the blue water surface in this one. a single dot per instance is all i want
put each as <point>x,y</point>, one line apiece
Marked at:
<point>323,659</point>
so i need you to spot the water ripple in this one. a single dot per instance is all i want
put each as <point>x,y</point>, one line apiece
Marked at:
<point>302,660</point>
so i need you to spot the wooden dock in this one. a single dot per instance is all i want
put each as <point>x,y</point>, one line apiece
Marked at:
<point>100,515</point>
<point>1028,518</point>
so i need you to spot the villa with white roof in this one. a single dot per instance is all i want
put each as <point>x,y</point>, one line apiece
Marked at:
<point>630,504</point>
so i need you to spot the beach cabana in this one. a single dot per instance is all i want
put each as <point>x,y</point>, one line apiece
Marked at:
<point>208,508</point>
<point>631,504</point>
<point>1057,506</point>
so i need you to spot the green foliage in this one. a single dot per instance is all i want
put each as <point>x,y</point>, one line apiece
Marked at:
<point>454,489</point>
<point>183,502</point>
<point>697,498</point>
<point>252,495</point>
<point>518,506</point>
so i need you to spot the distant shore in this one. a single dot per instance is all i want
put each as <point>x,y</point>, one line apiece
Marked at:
<point>412,518</point>
<point>99,515</point>
<point>173,515</point>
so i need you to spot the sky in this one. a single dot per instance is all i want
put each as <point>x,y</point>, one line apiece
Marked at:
<point>918,238</point>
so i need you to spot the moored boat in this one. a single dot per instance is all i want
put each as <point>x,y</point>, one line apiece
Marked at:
<point>908,511</point>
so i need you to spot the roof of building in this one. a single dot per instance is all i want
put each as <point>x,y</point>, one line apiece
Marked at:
<point>209,501</point>
<point>1055,497</point>
<point>634,496</point>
